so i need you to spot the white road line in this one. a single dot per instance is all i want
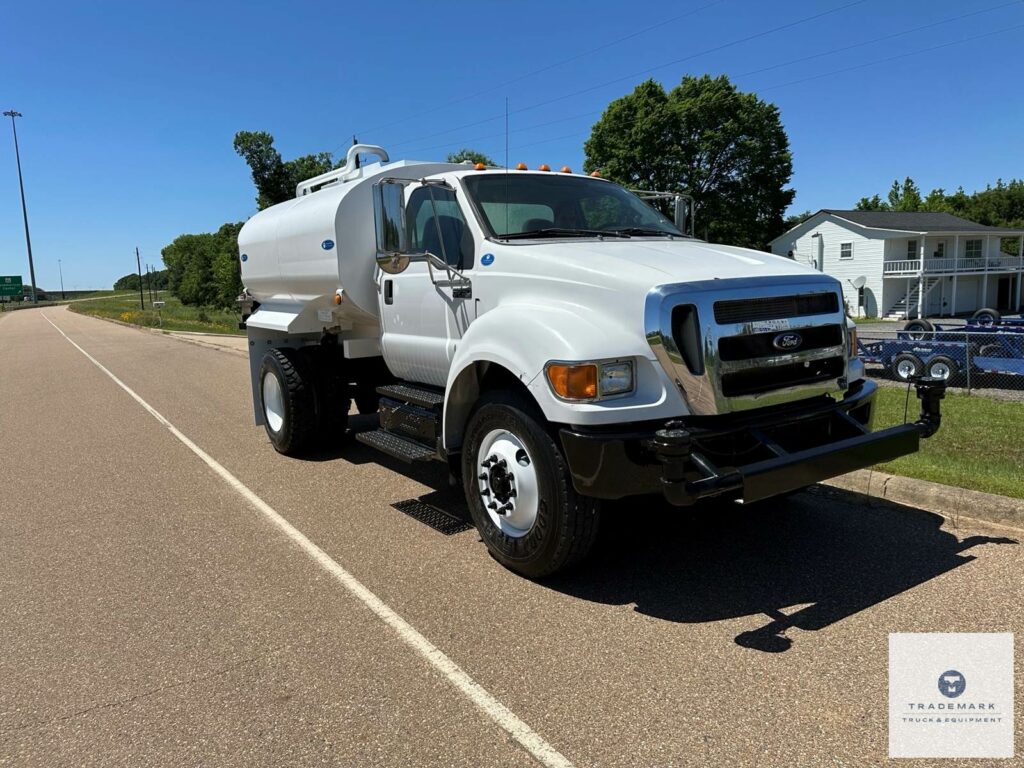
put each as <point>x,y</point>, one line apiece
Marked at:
<point>530,740</point>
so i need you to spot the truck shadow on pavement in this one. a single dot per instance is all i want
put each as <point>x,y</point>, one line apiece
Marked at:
<point>806,562</point>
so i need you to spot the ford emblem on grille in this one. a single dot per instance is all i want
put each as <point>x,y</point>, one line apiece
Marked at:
<point>787,341</point>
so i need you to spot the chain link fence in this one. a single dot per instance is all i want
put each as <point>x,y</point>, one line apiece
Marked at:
<point>977,360</point>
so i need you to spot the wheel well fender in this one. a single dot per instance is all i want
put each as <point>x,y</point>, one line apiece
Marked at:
<point>508,347</point>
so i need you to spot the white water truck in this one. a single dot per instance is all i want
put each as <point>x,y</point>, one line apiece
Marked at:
<point>557,341</point>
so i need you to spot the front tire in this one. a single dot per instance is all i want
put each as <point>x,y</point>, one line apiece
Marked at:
<point>520,492</point>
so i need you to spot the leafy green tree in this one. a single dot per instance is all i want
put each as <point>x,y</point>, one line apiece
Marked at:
<point>796,219</point>
<point>130,282</point>
<point>203,269</point>
<point>727,149</point>
<point>276,179</point>
<point>904,197</point>
<point>471,155</point>
<point>872,204</point>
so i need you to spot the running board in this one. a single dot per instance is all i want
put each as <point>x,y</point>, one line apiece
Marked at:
<point>415,394</point>
<point>397,446</point>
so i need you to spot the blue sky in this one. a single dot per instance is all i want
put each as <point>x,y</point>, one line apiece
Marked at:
<point>130,108</point>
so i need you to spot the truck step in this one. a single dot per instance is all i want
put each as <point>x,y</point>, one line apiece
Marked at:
<point>396,446</point>
<point>413,393</point>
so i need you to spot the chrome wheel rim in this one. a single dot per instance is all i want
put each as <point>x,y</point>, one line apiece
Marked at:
<point>273,402</point>
<point>507,483</point>
<point>904,369</point>
<point>939,371</point>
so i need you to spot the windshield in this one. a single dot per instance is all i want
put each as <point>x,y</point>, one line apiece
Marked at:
<point>532,205</point>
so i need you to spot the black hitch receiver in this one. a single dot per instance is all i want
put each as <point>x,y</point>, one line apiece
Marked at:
<point>930,392</point>
<point>688,475</point>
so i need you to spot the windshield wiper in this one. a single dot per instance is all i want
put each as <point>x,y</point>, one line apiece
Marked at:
<point>642,231</point>
<point>561,232</point>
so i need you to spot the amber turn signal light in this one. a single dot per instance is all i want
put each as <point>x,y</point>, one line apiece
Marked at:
<point>573,382</point>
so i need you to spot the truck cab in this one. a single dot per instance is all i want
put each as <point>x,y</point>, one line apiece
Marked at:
<point>557,341</point>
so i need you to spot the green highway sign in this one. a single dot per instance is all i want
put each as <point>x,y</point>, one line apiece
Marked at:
<point>10,285</point>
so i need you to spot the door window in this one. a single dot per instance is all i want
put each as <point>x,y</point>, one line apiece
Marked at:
<point>439,227</point>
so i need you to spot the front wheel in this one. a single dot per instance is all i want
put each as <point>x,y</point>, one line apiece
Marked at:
<point>519,490</point>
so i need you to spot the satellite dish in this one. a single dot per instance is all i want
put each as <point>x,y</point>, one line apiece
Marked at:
<point>858,282</point>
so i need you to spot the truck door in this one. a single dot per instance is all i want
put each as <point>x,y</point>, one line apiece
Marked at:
<point>422,315</point>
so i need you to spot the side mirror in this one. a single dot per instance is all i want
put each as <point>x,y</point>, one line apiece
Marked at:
<point>684,215</point>
<point>392,233</point>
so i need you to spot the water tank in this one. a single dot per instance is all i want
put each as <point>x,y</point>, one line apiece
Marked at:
<point>296,255</point>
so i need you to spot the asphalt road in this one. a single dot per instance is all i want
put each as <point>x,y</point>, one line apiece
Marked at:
<point>153,616</point>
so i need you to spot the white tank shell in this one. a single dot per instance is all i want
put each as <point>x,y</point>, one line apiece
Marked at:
<point>296,255</point>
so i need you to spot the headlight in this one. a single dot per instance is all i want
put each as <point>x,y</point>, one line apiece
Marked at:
<point>616,378</point>
<point>590,381</point>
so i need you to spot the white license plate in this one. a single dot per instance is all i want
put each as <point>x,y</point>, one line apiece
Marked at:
<point>767,326</point>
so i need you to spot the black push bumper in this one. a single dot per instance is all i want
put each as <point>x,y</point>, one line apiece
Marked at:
<point>747,456</point>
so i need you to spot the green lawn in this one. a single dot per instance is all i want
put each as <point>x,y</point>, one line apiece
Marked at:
<point>979,446</point>
<point>174,316</point>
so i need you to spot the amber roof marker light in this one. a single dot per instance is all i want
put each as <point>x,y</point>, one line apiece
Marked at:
<point>521,166</point>
<point>480,166</point>
<point>566,169</point>
<point>543,167</point>
<point>596,174</point>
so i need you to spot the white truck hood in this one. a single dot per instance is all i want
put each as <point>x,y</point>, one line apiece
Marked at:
<point>658,261</point>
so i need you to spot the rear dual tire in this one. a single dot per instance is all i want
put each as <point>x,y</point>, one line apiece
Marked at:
<point>304,397</point>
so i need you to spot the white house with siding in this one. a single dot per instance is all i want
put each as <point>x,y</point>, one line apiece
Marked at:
<point>913,264</point>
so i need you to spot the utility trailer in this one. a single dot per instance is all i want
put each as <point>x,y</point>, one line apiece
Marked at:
<point>555,341</point>
<point>945,355</point>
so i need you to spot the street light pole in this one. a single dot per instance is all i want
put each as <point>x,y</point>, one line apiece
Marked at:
<point>61,271</point>
<point>24,211</point>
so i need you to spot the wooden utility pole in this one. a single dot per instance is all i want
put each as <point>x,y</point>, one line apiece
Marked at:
<point>138,264</point>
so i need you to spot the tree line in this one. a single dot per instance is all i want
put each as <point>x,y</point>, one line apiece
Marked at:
<point>998,205</point>
<point>157,280</point>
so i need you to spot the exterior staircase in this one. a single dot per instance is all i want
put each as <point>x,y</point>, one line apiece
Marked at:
<point>906,307</point>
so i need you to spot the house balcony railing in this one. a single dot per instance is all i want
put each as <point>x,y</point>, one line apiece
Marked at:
<point>932,266</point>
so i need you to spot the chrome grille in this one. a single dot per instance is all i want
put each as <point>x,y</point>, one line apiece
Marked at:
<point>762,344</point>
<point>775,307</point>
<point>755,380</point>
<point>716,340</point>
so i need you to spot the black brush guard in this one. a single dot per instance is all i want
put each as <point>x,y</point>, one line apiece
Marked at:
<point>788,450</point>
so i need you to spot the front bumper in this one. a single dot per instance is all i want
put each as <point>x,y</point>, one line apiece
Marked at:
<point>747,456</point>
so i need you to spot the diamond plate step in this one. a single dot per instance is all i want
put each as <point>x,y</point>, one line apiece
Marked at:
<point>410,393</point>
<point>394,445</point>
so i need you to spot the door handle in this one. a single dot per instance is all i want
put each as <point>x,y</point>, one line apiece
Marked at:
<point>389,291</point>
